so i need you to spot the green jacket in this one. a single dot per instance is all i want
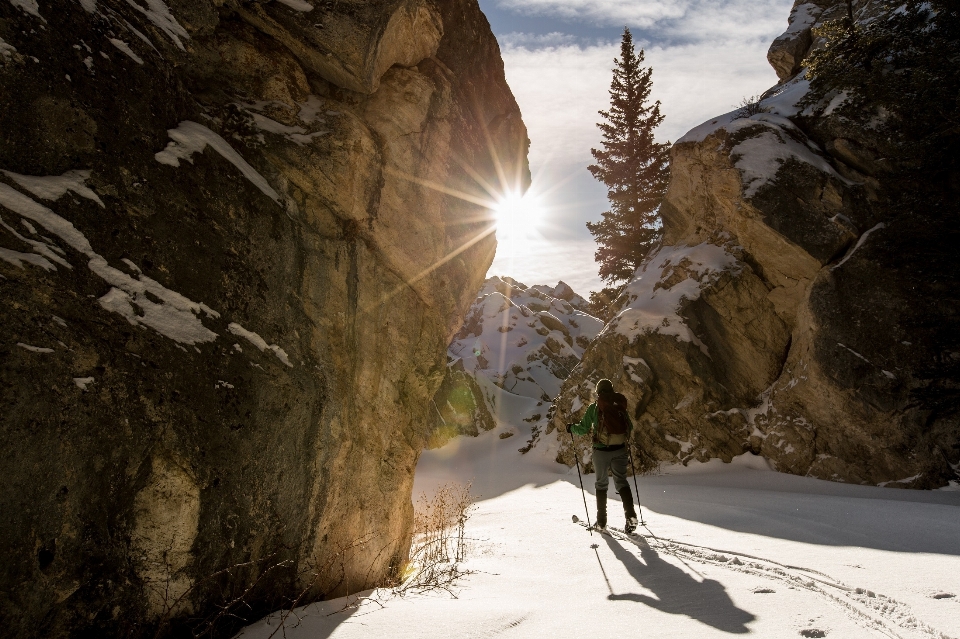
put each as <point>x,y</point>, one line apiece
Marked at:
<point>590,422</point>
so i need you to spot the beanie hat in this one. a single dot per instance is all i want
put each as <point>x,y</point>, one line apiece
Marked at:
<point>604,386</point>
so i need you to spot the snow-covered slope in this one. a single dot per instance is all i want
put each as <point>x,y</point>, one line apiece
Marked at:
<point>524,340</point>
<point>516,341</point>
<point>727,549</point>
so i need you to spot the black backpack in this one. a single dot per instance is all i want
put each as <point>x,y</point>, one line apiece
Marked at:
<point>612,414</point>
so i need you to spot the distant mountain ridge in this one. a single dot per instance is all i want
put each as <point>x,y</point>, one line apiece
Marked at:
<point>523,339</point>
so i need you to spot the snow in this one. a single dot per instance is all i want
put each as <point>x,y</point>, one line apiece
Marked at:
<point>296,134</point>
<point>784,102</point>
<point>653,308</point>
<point>802,17</point>
<point>123,46</point>
<point>855,353</point>
<point>259,342</point>
<point>82,382</point>
<point>90,6</point>
<point>863,238</point>
<point>630,365</point>
<point>42,249</point>
<point>34,349</point>
<point>685,447</point>
<point>310,110</point>
<point>699,133</point>
<point>836,102</point>
<point>53,187</point>
<point>173,315</point>
<point>140,35</point>
<point>760,157</point>
<point>30,6</point>
<point>727,549</point>
<point>527,343</point>
<point>190,137</point>
<point>297,5</point>
<point>6,50</point>
<point>159,14</point>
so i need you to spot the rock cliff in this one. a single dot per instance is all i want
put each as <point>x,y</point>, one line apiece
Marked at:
<point>803,305</point>
<point>233,251</point>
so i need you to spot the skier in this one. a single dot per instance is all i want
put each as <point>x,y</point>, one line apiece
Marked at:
<point>611,426</point>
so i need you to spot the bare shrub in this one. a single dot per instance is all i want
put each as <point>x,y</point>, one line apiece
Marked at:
<point>749,106</point>
<point>439,542</point>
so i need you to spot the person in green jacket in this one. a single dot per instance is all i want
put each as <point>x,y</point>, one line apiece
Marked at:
<point>610,423</point>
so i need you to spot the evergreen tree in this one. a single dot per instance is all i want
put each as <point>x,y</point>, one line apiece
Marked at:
<point>632,165</point>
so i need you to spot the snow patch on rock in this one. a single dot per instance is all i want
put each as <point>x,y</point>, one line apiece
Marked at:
<point>297,5</point>
<point>34,349</point>
<point>671,276</point>
<point>190,137</point>
<point>29,6</point>
<point>171,315</point>
<point>259,342</point>
<point>125,48</point>
<point>53,187</point>
<point>159,14</point>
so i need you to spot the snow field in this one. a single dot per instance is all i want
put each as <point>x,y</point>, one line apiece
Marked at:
<point>728,549</point>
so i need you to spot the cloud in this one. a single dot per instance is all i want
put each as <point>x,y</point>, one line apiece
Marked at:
<point>561,88</point>
<point>706,56</point>
<point>692,20</point>
<point>517,40</point>
<point>547,262</point>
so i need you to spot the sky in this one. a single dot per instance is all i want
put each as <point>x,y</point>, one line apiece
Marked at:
<point>706,55</point>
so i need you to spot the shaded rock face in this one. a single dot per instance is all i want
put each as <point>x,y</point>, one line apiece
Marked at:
<point>231,264</point>
<point>792,312</point>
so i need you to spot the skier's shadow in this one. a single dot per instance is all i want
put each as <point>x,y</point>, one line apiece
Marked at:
<point>678,593</point>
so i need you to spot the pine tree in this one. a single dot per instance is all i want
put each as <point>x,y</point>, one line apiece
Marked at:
<point>632,165</point>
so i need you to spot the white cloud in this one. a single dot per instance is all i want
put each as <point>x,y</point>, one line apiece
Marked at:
<point>695,20</point>
<point>561,88</point>
<point>560,82</point>
<point>600,12</point>
<point>547,262</point>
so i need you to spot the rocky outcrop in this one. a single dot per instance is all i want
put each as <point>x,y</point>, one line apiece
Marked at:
<point>232,257</point>
<point>783,315</point>
<point>515,340</point>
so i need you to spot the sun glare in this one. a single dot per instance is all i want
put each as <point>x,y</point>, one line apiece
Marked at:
<point>517,217</point>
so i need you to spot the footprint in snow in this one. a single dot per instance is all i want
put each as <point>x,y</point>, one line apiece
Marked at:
<point>812,632</point>
<point>944,595</point>
<point>763,591</point>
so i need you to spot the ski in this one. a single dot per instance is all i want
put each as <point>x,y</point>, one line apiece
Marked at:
<point>618,533</point>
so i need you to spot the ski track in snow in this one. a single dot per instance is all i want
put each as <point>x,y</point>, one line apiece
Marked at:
<point>872,610</point>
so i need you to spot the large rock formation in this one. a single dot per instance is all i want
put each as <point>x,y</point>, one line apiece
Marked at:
<point>801,307</point>
<point>232,257</point>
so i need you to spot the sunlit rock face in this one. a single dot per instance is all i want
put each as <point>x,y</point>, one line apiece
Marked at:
<point>231,260</point>
<point>787,313</point>
<point>515,340</point>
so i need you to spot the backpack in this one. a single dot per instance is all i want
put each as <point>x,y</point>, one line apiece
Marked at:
<point>612,415</point>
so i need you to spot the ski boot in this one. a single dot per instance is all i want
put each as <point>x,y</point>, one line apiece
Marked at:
<point>601,524</point>
<point>631,525</point>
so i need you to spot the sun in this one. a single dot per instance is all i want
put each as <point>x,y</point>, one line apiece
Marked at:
<point>518,217</point>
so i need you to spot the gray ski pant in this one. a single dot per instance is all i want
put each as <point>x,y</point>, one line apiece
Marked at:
<point>613,460</point>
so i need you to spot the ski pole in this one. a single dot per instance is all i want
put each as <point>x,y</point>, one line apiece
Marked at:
<point>634,468</point>
<point>576,457</point>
